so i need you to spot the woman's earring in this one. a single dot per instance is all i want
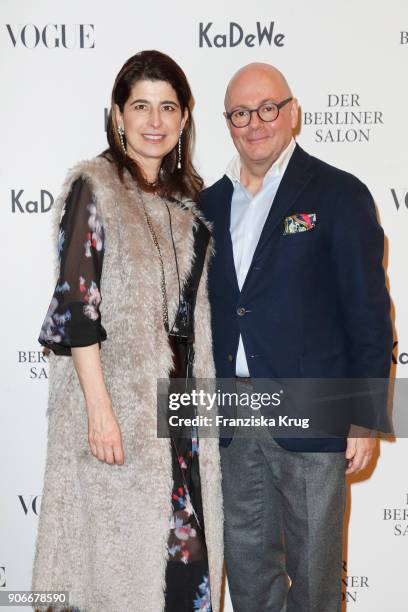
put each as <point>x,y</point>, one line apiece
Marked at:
<point>179,151</point>
<point>121,133</point>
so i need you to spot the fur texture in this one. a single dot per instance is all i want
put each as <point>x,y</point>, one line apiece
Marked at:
<point>103,529</point>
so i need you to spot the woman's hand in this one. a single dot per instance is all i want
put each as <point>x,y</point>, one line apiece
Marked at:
<point>104,435</point>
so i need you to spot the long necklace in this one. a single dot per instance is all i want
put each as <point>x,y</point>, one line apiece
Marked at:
<point>165,309</point>
<point>165,313</point>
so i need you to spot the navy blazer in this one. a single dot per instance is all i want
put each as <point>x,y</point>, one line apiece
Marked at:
<point>315,302</point>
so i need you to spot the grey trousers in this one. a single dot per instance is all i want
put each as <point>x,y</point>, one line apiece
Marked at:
<point>283,527</point>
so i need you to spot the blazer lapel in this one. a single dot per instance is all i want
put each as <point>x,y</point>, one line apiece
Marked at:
<point>297,175</point>
<point>223,242</point>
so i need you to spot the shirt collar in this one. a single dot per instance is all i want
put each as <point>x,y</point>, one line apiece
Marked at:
<point>278,168</point>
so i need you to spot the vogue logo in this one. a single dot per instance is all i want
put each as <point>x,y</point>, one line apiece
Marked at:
<point>19,204</point>
<point>344,120</point>
<point>30,505</point>
<point>399,198</point>
<point>36,362</point>
<point>52,35</point>
<point>236,36</point>
<point>2,576</point>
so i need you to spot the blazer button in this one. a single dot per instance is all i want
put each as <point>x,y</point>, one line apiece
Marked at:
<point>230,357</point>
<point>241,311</point>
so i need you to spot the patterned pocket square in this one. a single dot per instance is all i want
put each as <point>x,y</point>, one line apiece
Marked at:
<point>301,222</point>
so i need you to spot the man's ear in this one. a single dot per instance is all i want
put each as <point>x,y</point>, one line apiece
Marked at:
<point>294,113</point>
<point>228,122</point>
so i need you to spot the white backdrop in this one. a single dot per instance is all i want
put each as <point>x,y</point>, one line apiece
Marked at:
<point>58,62</point>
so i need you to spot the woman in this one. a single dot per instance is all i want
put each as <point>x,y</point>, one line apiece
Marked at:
<point>123,513</point>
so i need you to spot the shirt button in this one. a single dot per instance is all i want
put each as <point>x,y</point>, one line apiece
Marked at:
<point>230,357</point>
<point>241,311</point>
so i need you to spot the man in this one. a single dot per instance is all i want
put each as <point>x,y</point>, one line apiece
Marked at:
<point>297,289</point>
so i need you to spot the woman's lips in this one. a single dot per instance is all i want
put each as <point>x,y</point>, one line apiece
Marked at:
<point>153,137</point>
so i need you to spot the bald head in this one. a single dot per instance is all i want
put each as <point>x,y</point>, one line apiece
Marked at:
<point>254,88</point>
<point>250,75</point>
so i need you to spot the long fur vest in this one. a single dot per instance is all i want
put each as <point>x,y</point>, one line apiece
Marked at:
<point>103,528</point>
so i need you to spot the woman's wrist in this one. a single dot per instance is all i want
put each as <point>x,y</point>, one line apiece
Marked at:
<point>98,402</point>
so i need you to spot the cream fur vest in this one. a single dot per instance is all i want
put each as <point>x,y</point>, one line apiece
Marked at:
<point>103,528</point>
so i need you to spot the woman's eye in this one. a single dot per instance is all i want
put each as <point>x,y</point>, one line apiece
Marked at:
<point>168,107</point>
<point>140,107</point>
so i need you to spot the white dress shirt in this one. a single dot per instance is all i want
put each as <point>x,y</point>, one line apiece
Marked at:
<point>248,216</point>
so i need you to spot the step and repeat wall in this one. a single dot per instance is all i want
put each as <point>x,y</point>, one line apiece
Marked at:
<point>347,64</point>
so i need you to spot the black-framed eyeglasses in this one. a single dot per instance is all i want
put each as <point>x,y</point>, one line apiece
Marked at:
<point>269,111</point>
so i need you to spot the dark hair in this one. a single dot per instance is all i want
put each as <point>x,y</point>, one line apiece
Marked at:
<point>156,66</point>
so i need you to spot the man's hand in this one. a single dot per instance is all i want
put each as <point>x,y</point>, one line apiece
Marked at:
<point>360,448</point>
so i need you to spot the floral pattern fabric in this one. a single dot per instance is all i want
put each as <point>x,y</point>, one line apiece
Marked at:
<point>301,222</point>
<point>187,577</point>
<point>73,317</point>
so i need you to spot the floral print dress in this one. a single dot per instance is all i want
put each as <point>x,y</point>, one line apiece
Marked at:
<point>74,320</point>
<point>187,578</point>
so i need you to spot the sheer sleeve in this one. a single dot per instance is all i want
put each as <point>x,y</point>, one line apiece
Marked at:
<point>73,318</point>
